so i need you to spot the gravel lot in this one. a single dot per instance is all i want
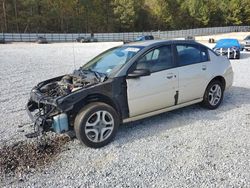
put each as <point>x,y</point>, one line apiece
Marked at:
<point>189,147</point>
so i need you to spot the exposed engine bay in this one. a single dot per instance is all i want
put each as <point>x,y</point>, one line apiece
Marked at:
<point>70,83</point>
<point>43,106</point>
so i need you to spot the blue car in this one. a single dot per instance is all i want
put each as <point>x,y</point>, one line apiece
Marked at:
<point>144,37</point>
<point>228,47</point>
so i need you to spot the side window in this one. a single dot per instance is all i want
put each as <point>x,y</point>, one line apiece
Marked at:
<point>153,55</point>
<point>190,54</point>
<point>156,60</point>
<point>204,54</point>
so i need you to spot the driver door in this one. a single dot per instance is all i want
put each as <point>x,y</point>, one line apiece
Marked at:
<point>156,91</point>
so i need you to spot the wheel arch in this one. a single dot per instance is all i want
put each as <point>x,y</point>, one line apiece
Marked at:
<point>219,78</point>
<point>97,98</point>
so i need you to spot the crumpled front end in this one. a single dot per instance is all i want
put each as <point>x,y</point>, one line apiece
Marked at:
<point>231,53</point>
<point>48,106</point>
<point>41,110</point>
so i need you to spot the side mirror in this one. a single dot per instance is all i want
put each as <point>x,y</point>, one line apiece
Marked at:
<point>139,73</point>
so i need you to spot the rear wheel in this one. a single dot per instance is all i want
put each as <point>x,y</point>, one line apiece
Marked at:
<point>96,124</point>
<point>213,95</point>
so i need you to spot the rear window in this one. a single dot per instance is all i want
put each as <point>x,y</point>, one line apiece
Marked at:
<point>150,37</point>
<point>191,54</point>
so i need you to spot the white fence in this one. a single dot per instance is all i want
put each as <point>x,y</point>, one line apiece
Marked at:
<point>102,37</point>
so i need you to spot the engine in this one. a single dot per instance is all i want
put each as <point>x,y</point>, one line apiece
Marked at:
<point>68,84</point>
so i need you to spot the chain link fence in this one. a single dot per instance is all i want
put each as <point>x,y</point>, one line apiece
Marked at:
<point>129,36</point>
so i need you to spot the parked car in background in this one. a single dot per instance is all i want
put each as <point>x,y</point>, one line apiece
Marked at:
<point>91,39</point>
<point>247,43</point>
<point>128,83</point>
<point>87,39</point>
<point>80,39</point>
<point>189,38</point>
<point>228,47</point>
<point>41,40</point>
<point>144,37</point>
<point>2,40</point>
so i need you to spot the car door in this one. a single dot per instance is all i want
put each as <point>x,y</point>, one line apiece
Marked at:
<point>158,90</point>
<point>192,60</point>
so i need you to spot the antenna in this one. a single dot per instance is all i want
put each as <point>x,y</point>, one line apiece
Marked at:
<point>74,55</point>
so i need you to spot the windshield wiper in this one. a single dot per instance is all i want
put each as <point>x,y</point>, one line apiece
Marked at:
<point>98,75</point>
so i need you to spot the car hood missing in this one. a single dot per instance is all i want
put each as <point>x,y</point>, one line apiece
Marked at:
<point>67,84</point>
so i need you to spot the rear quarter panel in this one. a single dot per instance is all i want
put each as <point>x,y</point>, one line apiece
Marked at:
<point>220,66</point>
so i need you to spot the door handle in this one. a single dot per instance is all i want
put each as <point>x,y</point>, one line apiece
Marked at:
<point>170,76</point>
<point>204,67</point>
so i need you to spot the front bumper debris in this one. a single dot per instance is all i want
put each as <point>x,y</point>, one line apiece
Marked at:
<point>229,52</point>
<point>42,120</point>
<point>41,111</point>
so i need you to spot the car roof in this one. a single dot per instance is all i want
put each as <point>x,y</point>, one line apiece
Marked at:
<point>145,35</point>
<point>226,43</point>
<point>228,39</point>
<point>148,43</point>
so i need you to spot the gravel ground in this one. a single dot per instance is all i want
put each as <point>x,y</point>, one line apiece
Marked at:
<point>189,147</point>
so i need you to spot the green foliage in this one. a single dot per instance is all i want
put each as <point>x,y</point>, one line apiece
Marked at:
<point>119,15</point>
<point>198,10</point>
<point>124,12</point>
<point>233,12</point>
<point>160,10</point>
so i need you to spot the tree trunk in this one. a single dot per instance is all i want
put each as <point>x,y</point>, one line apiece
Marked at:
<point>5,17</point>
<point>15,8</point>
<point>107,15</point>
<point>87,20</point>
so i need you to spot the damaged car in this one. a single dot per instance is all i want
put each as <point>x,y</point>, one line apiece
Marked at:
<point>228,47</point>
<point>128,83</point>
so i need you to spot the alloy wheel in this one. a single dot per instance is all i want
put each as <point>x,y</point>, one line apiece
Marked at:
<point>215,94</point>
<point>99,126</point>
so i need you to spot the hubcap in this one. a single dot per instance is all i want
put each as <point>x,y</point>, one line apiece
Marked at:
<point>214,95</point>
<point>99,126</point>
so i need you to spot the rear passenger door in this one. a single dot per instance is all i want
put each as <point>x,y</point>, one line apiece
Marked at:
<point>192,60</point>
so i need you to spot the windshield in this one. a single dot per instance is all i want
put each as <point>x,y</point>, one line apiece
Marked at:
<point>247,38</point>
<point>112,59</point>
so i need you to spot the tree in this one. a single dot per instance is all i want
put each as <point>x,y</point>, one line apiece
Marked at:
<point>233,12</point>
<point>198,10</point>
<point>119,15</point>
<point>246,12</point>
<point>160,10</point>
<point>125,13</point>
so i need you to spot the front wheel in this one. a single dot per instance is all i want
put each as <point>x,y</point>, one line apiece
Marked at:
<point>238,55</point>
<point>213,95</point>
<point>96,124</point>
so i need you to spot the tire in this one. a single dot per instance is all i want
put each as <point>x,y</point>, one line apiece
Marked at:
<point>238,55</point>
<point>213,97</point>
<point>96,124</point>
